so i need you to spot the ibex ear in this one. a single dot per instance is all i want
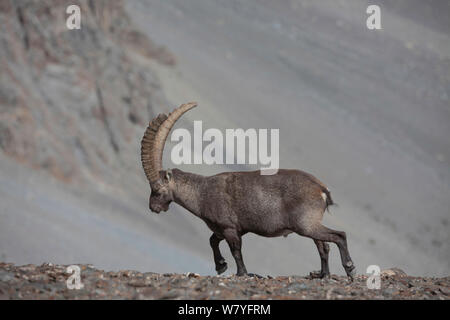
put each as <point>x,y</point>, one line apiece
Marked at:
<point>169,175</point>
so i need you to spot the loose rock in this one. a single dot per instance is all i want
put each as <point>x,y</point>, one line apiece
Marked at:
<point>49,282</point>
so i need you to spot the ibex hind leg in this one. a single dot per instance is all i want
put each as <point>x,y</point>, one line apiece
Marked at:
<point>340,239</point>
<point>310,226</point>
<point>323,249</point>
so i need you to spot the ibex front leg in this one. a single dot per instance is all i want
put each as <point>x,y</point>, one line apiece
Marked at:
<point>221,265</point>
<point>234,241</point>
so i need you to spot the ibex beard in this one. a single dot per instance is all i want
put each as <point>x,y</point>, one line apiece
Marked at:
<point>235,203</point>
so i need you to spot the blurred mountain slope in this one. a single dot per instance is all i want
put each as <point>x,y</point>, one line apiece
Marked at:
<point>73,107</point>
<point>366,112</point>
<point>74,102</point>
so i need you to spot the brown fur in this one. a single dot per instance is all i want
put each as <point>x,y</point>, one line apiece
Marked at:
<point>235,203</point>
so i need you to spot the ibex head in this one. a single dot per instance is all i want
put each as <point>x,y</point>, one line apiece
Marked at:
<point>152,147</point>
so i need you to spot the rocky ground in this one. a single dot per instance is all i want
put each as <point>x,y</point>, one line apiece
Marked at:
<point>48,281</point>
<point>365,111</point>
<point>74,102</point>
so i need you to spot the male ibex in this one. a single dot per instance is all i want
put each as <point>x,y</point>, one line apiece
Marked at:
<point>235,203</point>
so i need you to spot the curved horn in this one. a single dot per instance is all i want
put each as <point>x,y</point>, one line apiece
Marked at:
<point>152,144</point>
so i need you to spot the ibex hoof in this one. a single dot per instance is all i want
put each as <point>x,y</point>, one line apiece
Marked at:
<point>351,274</point>
<point>221,268</point>
<point>319,275</point>
<point>254,275</point>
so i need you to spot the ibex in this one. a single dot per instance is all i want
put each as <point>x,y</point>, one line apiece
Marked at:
<point>235,203</point>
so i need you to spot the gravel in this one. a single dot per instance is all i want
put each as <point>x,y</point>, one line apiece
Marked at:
<point>48,281</point>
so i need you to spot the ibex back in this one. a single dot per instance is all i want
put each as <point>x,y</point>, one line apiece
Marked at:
<point>235,203</point>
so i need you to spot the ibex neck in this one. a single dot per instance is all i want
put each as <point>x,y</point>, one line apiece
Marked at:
<point>187,190</point>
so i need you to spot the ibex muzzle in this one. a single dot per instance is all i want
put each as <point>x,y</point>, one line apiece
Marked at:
<point>235,203</point>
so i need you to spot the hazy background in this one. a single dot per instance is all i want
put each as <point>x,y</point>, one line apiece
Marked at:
<point>366,111</point>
